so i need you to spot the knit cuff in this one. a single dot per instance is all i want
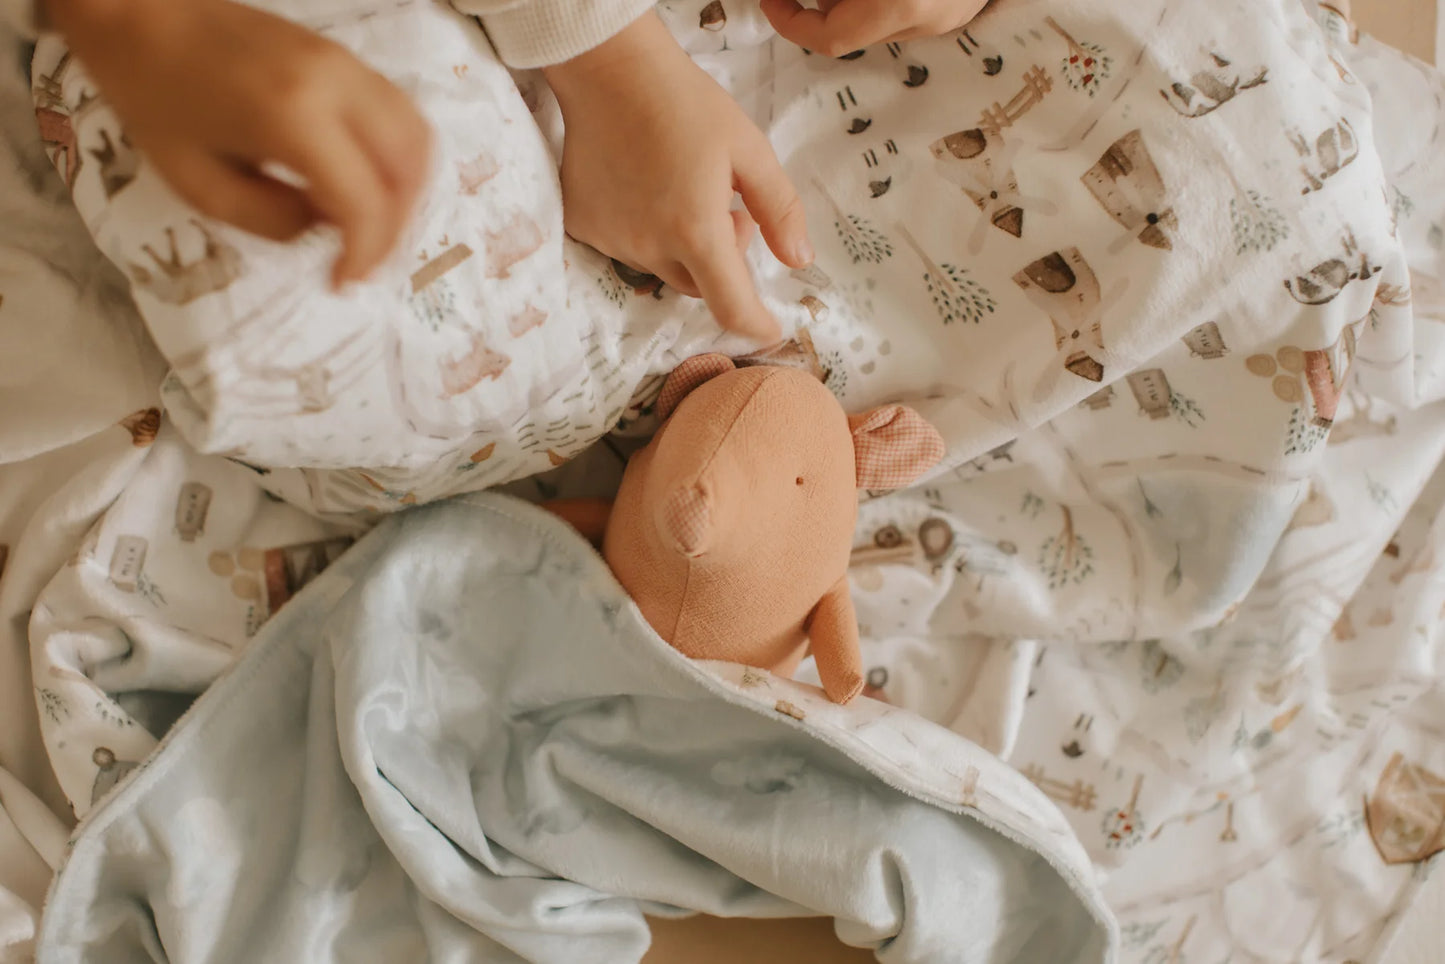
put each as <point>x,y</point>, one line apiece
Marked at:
<point>540,33</point>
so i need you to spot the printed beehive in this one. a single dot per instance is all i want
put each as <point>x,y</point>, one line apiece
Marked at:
<point>1151,391</point>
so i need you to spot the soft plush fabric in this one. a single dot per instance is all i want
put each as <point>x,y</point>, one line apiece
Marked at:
<point>732,528</point>
<point>462,742</point>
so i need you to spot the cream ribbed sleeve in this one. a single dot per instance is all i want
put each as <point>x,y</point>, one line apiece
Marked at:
<point>18,15</point>
<point>539,33</point>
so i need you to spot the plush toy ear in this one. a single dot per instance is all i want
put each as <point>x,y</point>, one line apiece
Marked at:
<point>689,375</point>
<point>893,446</point>
<point>686,518</point>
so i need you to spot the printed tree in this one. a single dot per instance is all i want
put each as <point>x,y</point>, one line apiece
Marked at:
<point>1257,225</point>
<point>612,287</point>
<point>862,240</point>
<point>1403,207</point>
<point>1303,435</point>
<point>1066,557</point>
<point>1086,66</point>
<point>149,591</point>
<point>956,296</point>
<point>835,373</point>
<point>53,706</point>
<point>434,304</point>
<point>1184,407</point>
<point>1123,826</point>
<point>1340,827</point>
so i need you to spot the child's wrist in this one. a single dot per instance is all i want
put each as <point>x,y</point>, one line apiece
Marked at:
<point>637,45</point>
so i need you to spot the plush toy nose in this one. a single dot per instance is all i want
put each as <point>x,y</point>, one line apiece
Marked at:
<point>686,519</point>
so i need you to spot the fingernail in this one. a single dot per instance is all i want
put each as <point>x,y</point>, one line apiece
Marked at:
<point>803,252</point>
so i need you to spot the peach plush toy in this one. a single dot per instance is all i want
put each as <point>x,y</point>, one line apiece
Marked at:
<point>733,527</point>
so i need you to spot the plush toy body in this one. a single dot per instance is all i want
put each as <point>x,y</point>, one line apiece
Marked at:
<point>733,527</point>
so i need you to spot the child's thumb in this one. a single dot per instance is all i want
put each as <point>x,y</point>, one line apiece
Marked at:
<point>774,203</point>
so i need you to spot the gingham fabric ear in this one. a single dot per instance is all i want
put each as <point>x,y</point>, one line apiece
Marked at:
<point>689,375</point>
<point>686,517</point>
<point>893,446</point>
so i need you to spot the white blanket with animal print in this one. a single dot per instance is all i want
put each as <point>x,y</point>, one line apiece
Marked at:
<point>1165,275</point>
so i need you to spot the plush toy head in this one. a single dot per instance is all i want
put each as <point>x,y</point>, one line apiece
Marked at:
<point>733,527</point>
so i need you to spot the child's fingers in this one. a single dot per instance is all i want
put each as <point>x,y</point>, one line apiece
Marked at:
<point>398,141</point>
<point>246,199</point>
<point>794,22</point>
<point>774,204</point>
<point>675,276</point>
<point>743,227</point>
<point>396,133</point>
<point>723,280</point>
<point>847,25</point>
<point>347,191</point>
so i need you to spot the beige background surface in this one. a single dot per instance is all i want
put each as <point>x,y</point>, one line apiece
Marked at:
<point>1409,25</point>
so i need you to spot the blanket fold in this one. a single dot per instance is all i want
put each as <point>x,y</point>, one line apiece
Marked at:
<point>463,741</point>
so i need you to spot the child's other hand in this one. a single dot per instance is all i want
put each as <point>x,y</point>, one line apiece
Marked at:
<point>839,27</point>
<point>211,90</point>
<point>652,154</point>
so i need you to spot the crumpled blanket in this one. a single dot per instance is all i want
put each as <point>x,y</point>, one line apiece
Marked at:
<point>1009,220</point>
<point>1184,567</point>
<point>462,742</point>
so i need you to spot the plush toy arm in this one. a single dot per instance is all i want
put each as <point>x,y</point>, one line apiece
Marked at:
<point>833,635</point>
<point>587,516</point>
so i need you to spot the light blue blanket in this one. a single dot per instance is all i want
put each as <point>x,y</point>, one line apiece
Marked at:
<point>461,743</point>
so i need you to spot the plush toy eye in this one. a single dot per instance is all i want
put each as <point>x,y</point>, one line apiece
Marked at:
<point>800,480</point>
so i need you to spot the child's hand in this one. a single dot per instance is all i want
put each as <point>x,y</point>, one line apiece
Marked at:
<point>211,90</point>
<point>652,154</point>
<point>838,27</point>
